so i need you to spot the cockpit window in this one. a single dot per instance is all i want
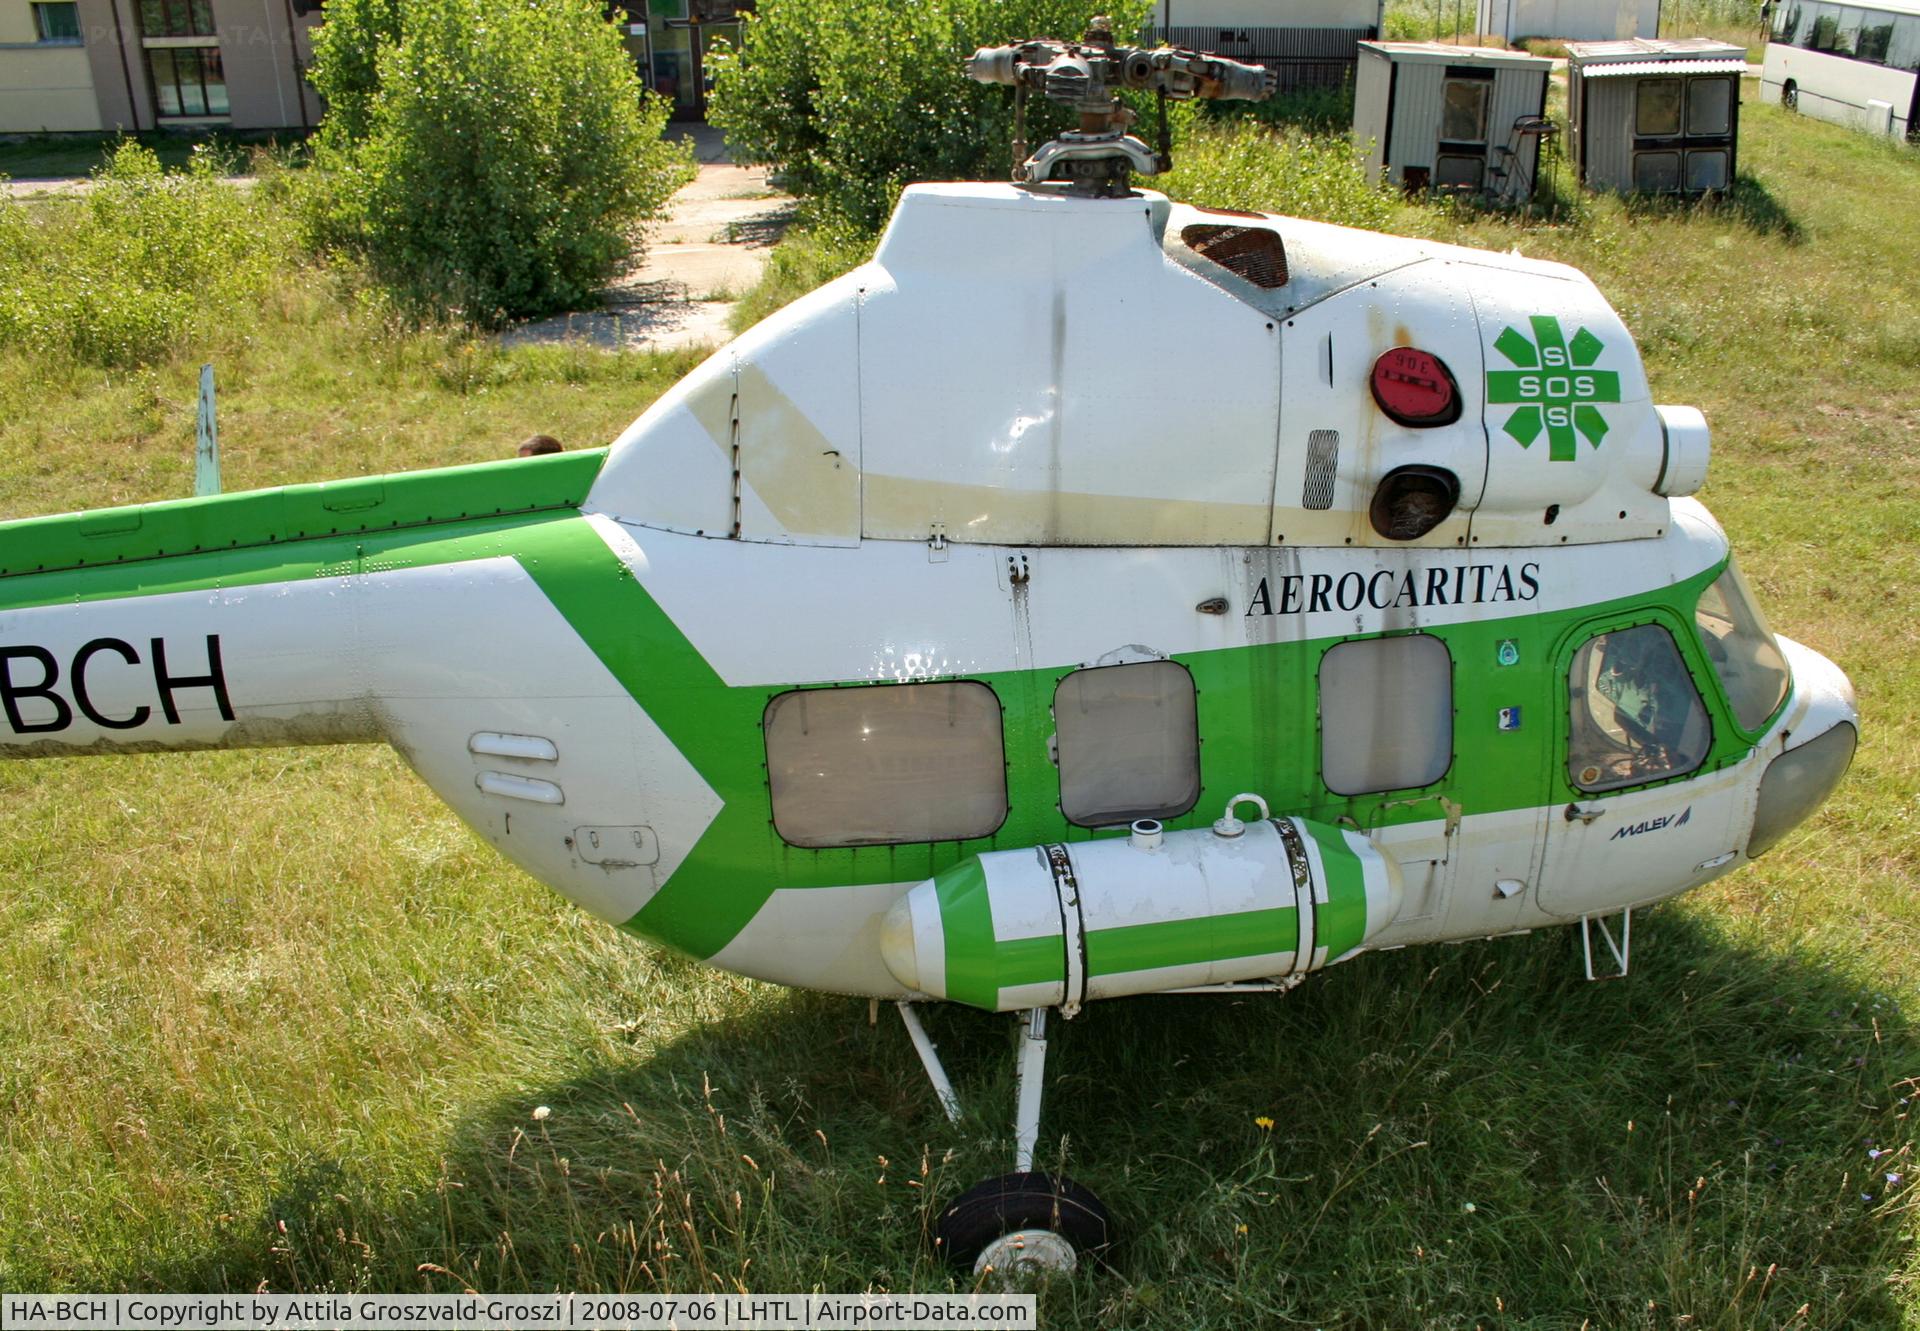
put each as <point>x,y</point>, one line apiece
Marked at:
<point>1636,714</point>
<point>1742,649</point>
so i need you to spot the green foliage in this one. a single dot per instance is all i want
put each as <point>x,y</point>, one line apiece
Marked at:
<point>143,264</point>
<point>854,99</point>
<point>1249,166</point>
<point>346,62</point>
<point>499,161</point>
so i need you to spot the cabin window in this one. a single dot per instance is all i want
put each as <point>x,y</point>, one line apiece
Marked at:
<point>1129,743</point>
<point>1386,714</point>
<point>886,764</point>
<point>1742,649</point>
<point>1636,715</point>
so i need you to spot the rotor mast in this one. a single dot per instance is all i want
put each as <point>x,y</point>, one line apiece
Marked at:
<point>1099,158</point>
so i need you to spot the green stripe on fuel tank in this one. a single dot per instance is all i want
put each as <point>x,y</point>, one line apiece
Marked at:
<point>1340,922</point>
<point>1145,947</point>
<point>979,965</point>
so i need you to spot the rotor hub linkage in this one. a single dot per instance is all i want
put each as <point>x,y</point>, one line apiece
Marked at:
<point>1087,76</point>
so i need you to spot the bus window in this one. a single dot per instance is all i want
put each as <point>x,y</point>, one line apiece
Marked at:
<point>1742,649</point>
<point>1636,715</point>
<point>1903,50</point>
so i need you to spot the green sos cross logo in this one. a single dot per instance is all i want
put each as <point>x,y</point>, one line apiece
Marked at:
<point>1555,387</point>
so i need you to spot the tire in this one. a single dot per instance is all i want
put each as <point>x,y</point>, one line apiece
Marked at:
<point>1013,1202</point>
<point>1790,95</point>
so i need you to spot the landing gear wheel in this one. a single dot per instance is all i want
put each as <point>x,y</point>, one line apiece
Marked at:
<point>1025,1223</point>
<point>1790,95</point>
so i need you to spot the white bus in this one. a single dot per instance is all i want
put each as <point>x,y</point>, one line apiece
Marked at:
<point>1853,64</point>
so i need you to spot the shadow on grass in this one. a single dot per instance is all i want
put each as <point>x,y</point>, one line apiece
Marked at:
<point>1749,202</point>
<point>1455,1131</point>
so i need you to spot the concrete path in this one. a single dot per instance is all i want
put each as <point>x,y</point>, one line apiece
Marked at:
<point>708,251</point>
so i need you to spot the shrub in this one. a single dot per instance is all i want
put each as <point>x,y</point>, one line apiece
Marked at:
<point>1249,166</point>
<point>490,160</point>
<point>146,262</point>
<point>853,99</point>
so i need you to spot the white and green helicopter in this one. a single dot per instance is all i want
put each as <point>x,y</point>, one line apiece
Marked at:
<point>1091,595</point>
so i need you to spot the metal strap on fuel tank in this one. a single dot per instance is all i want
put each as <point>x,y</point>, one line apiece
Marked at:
<point>1073,928</point>
<point>1302,870</point>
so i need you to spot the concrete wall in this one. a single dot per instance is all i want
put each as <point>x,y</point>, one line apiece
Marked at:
<point>1265,13</point>
<point>119,78</point>
<point>262,84</point>
<point>1372,94</point>
<point>1575,20</point>
<point>263,89</point>
<point>43,86</point>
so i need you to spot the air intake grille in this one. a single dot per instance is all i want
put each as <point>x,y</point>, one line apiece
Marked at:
<point>1252,252</point>
<point>1323,460</point>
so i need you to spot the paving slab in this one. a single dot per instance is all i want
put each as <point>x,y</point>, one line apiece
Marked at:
<point>710,248</point>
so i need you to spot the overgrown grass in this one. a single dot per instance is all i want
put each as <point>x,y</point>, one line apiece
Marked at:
<point>139,265</point>
<point>276,1018</point>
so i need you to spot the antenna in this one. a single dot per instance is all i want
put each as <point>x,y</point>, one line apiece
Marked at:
<point>1099,158</point>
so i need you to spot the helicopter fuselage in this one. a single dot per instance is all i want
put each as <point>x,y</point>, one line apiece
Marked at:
<point>869,656</point>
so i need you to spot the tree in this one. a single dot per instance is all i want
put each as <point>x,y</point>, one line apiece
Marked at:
<point>852,99</point>
<point>487,160</point>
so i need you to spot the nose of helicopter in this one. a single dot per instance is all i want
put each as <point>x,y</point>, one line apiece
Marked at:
<point>1823,730</point>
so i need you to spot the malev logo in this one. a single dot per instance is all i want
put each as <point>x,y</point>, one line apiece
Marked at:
<point>1555,387</point>
<point>1655,824</point>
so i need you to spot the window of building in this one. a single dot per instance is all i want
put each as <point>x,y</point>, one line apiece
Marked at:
<point>1636,715</point>
<point>1656,173</point>
<point>1742,649</point>
<point>176,18</point>
<point>1657,107</point>
<point>187,80</point>
<point>57,23</point>
<point>1463,110</point>
<point>1709,106</point>
<point>1386,714</point>
<point>1707,170</point>
<point>1129,738</point>
<point>886,764</point>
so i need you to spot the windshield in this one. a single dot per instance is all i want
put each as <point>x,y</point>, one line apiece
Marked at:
<point>1742,649</point>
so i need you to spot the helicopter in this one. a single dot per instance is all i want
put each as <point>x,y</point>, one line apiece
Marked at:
<point>1092,595</point>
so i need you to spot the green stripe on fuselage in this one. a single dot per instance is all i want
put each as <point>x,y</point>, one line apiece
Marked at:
<point>293,515</point>
<point>1257,704</point>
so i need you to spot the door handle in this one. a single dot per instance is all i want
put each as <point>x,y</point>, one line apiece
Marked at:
<point>1584,813</point>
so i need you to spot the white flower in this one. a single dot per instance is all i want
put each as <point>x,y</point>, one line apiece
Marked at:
<point>541,1113</point>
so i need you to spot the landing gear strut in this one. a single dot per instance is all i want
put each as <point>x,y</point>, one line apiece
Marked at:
<point>1026,1222</point>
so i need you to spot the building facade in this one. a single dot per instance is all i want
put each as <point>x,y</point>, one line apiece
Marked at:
<point>1306,43</point>
<point>106,65</point>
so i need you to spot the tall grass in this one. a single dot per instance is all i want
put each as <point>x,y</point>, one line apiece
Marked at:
<point>138,265</point>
